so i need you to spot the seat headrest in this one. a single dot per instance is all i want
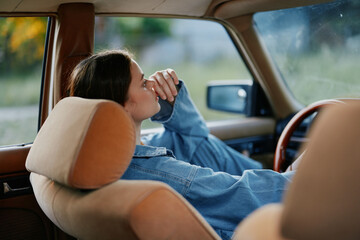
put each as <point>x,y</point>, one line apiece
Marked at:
<point>323,200</point>
<point>83,143</point>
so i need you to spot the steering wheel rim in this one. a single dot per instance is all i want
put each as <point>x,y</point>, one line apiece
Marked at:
<point>279,157</point>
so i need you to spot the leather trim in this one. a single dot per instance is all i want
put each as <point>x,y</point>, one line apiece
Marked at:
<point>12,159</point>
<point>241,128</point>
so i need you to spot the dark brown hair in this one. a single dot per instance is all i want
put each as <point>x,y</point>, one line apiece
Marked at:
<point>104,75</point>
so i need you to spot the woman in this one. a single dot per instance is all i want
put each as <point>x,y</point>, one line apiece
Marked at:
<point>214,178</point>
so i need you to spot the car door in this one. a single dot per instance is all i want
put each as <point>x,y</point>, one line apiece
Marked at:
<point>21,69</point>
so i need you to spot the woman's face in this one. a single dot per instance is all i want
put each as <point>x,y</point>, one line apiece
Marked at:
<point>143,101</point>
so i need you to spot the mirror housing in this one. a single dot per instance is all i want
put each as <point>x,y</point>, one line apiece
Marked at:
<point>238,96</point>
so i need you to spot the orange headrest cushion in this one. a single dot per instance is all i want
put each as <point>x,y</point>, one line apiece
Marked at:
<point>83,143</point>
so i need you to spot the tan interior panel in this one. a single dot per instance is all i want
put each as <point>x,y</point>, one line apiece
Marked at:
<point>232,9</point>
<point>12,159</point>
<point>172,7</point>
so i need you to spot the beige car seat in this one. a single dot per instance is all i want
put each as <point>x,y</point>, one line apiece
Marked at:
<point>323,201</point>
<point>76,161</point>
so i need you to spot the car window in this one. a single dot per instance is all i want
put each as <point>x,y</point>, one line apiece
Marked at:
<point>316,48</point>
<point>198,50</point>
<point>22,42</point>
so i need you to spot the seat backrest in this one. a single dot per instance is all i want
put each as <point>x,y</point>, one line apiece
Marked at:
<point>77,159</point>
<point>323,201</point>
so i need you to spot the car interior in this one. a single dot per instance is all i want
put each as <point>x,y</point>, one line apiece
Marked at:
<point>52,188</point>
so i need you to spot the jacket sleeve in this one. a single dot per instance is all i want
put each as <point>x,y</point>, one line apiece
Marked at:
<point>182,118</point>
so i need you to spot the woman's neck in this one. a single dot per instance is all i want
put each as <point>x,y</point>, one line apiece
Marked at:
<point>138,133</point>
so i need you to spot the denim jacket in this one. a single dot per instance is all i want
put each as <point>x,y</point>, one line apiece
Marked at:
<point>222,184</point>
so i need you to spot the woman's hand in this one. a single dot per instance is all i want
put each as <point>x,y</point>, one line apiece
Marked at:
<point>165,84</point>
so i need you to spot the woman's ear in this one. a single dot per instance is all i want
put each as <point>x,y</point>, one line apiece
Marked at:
<point>128,106</point>
<point>130,109</point>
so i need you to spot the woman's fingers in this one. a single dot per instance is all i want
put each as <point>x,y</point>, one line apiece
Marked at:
<point>161,87</point>
<point>173,75</point>
<point>165,84</point>
<point>170,82</point>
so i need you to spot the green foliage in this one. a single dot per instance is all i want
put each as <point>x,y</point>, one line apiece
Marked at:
<point>137,28</point>
<point>21,43</point>
<point>130,31</point>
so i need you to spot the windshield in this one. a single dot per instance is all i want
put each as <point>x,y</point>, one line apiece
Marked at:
<point>316,48</point>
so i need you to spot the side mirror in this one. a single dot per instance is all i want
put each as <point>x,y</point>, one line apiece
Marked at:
<point>237,96</point>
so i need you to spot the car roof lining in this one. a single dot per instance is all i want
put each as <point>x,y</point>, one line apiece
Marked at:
<point>172,7</point>
<point>235,8</point>
<point>222,9</point>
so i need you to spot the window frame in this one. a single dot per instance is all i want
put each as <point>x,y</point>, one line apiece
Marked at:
<point>44,68</point>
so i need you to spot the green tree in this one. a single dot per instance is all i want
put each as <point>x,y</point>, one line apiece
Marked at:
<point>21,43</point>
<point>131,32</point>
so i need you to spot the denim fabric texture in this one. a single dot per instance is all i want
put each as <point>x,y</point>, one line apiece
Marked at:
<point>222,184</point>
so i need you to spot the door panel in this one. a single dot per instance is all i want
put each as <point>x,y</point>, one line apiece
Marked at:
<point>242,128</point>
<point>20,214</point>
<point>12,160</point>
<point>21,218</point>
<point>252,136</point>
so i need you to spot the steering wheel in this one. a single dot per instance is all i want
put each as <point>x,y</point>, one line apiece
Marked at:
<point>279,158</point>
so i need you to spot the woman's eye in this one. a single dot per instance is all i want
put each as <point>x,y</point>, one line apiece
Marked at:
<point>145,83</point>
